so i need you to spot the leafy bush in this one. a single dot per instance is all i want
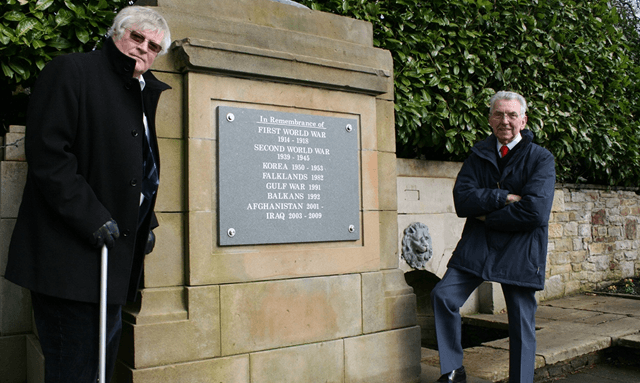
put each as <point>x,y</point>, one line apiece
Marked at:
<point>570,59</point>
<point>576,62</point>
<point>33,32</point>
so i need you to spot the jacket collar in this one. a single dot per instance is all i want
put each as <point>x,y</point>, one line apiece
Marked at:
<point>124,65</point>
<point>487,147</point>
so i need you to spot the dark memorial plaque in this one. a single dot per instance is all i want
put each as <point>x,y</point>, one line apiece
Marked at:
<point>286,177</point>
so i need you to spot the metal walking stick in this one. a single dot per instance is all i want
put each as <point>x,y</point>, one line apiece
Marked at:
<point>102,345</point>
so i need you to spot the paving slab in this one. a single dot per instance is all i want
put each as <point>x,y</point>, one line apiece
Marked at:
<point>566,340</point>
<point>488,363</point>
<point>614,328</point>
<point>631,341</point>
<point>431,373</point>
<point>602,373</point>
<point>581,302</point>
<point>562,314</point>
<point>567,329</point>
<point>600,303</point>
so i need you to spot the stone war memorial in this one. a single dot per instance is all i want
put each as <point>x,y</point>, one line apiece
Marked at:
<point>277,251</point>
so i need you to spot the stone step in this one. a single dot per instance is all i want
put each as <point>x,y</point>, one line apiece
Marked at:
<point>630,341</point>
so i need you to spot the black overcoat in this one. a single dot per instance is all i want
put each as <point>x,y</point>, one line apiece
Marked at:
<point>84,152</point>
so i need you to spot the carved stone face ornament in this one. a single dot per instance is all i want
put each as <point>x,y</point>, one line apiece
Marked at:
<point>417,248</point>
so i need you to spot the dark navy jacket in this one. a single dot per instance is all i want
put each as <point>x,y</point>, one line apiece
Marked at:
<point>510,246</point>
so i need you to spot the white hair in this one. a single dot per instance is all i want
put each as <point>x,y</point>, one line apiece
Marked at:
<point>142,18</point>
<point>504,95</point>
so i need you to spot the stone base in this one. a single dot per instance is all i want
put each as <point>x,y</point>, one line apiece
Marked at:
<point>390,356</point>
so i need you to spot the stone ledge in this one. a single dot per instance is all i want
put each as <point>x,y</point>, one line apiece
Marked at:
<point>252,62</point>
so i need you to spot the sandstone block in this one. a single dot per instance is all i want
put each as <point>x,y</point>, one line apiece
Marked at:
<point>264,315</point>
<point>387,301</point>
<point>175,341</point>
<point>233,369</point>
<point>319,362</point>
<point>171,189</point>
<point>13,176</point>
<point>387,188</point>
<point>385,117</point>
<point>15,308</point>
<point>13,356</point>
<point>391,356</point>
<point>15,146</point>
<point>164,266</point>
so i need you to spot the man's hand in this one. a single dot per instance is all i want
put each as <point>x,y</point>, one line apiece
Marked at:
<point>511,198</point>
<point>106,234</point>
<point>151,243</point>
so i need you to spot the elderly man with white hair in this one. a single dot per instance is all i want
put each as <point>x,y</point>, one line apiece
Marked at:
<point>93,174</point>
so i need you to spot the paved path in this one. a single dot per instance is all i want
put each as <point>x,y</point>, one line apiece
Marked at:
<point>602,373</point>
<point>570,331</point>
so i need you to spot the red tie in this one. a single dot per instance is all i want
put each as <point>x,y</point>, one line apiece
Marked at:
<point>504,149</point>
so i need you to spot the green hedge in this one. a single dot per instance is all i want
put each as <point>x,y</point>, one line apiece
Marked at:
<point>32,32</point>
<point>570,59</point>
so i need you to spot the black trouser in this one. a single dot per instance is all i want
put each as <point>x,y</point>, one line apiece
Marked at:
<point>69,336</point>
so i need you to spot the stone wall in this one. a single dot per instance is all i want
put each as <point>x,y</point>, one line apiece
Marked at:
<point>593,238</point>
<point>593,230</point>
<point>17,338</point>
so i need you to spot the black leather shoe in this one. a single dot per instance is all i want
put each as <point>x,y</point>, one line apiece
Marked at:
<point>456,376</point>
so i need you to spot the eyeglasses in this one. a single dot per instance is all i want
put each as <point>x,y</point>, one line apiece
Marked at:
<point>139,38</point>
<point>500,115</point>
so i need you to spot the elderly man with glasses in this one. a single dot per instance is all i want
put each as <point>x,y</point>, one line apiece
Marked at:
<point>505,191</point>
<point>92,179</point>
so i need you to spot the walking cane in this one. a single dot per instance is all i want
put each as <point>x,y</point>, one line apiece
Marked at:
<point>103,316</point>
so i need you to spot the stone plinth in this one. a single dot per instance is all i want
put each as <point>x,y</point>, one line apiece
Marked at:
<point>280,312</point>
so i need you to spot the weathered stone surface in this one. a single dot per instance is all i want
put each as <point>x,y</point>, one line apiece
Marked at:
<point>165,265</point>
<point>158,305</point>
<point>391,356</point>
<point>490,363</point>
<point>13,357</point>
<point>607,304</point>
<point>15,308</point>
<point>567,340</point>
<point>13,176</point>
<point>234,369</point>
<point>631,341</point>
<point>387,301</point>
<point>425,195</point>
<point>244,263</point>
<point>491,298</point>
<point>171,190</point>
<point>175,341</point>
<point>170,113</point>
<point>6,228</point>
<point>264,315</point>
<point>35,360</point>
<point>389,258</point>
<point>319,362</point>
<point>386,187</point>
<point>14,142</point>
<point>385,118</point>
